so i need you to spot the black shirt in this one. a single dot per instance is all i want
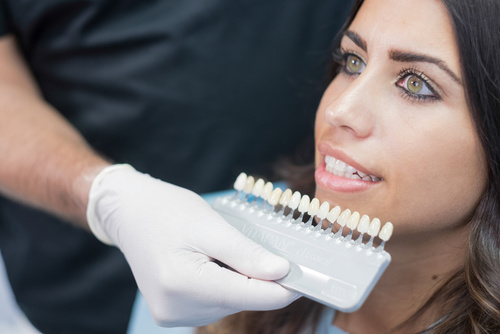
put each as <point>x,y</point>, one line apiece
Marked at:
<point>191,92</point>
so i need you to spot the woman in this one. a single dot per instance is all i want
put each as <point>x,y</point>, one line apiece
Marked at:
<point>414,108</point>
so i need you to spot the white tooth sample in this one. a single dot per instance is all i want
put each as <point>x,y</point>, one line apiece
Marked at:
<point>275,196</point>
<point>249,185</point>
<point>285,197</point>
<point>313,207</point>
<point>304,204</point>
<point>333,214</point>
<point>257,187</point>
<point>386,232</point>
<point>266,192</point>
<point>344,217</point>
<point>240,182</point>
<point>364,223</point>
<point>340,166</point>
<point>323,210</point>
<point>374,227</point>
<point>353,220</point>
<point>294,200</point>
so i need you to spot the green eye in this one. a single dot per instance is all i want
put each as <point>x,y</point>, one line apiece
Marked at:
<point>415,84</point>
<point>354,64</point>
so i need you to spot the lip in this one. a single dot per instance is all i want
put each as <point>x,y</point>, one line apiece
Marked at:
<point>336,183</point>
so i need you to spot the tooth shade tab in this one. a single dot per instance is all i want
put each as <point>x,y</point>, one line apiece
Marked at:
<point>374,227</point>
<point>285,197</point>
<point>313,207</point>
<point>275,196</point>
<point>386,232</point>
<point>266,192</point>
<point>258,187</point>
<point>304,204</point>
<point>249,185</point>
<point>323,210</point>
<point>294,200</point>
<point>240,182</point>
<point>353,220</point>
<point>333,214</point>
<point>364,223</point>
<point>344,217</point>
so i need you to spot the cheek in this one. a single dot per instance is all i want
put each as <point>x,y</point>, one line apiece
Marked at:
<point>440,177</point>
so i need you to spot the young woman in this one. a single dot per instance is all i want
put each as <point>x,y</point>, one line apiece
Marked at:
<point>414,109</point>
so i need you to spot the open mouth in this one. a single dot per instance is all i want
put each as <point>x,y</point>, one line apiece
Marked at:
<point>340,168</point>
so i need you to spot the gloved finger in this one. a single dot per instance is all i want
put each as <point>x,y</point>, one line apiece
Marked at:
<point>243,293</point>
<point>225,243</point>
<point>221,292</point>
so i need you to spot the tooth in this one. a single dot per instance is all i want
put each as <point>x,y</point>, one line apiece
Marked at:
<point>361,174</point>
<point>344,216</point>
<point>304,204</point>
<point>285,198</point>
<point>351,170</point>
<point>367,178</point>
<point>239,184</point>
<point>355,177</point>
<point>340,166</point>
<point>364,223</point>
<point>353,220</point>
<point>294,200</point>
<point>313,207</point>
<point>258,186</point>
<point>249,184</point>
<point>386,232</point>
<point>374,227</point>
<point>333,214</point>
<point>323,210</point>
<point>266,192</point>
<point>275,196</point>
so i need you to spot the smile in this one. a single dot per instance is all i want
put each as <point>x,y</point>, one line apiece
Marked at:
<point>340,168</point>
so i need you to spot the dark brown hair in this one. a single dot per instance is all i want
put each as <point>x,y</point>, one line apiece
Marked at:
<point>470,298</point>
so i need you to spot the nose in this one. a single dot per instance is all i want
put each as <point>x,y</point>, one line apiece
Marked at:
<point>351,109</point>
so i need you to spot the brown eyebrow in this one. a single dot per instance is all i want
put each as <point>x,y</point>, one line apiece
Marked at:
<point>358,40</point>
<point>409,57</point>
<point>403,56</point>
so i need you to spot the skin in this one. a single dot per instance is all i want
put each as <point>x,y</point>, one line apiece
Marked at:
<point>45,162</point>
<point>425,150</point>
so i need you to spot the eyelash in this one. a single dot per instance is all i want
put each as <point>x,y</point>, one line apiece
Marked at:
<point>340,56</point>
<point>417,97</point>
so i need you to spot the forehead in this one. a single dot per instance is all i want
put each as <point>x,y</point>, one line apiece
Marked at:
<point>422,26</point>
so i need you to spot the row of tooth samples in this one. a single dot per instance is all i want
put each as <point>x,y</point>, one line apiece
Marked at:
<point>303,204</point>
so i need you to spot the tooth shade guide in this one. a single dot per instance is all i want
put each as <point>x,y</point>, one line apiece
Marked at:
<point>311,254</point>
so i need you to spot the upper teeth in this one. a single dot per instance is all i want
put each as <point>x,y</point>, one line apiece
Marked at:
<point>340,168</point>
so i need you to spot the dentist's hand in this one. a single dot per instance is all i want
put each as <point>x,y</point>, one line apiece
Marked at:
<point>170,237</point>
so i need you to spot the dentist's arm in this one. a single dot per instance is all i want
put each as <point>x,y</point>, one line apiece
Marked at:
<point>169,235</point>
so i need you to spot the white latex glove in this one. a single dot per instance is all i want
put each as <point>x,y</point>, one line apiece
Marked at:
<point>170,237</point>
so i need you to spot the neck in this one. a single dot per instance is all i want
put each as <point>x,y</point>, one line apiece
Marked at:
<point>419,267</point>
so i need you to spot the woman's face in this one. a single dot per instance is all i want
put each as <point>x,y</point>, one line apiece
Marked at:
<point>397,115</point>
